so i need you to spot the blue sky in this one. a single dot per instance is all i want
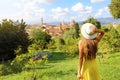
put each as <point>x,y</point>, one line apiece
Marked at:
<point>53,10</point>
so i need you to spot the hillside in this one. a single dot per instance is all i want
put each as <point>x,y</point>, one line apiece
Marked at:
<point>61,67</point>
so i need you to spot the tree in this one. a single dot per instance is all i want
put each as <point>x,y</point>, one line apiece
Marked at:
<point>69,34</point>
<point>12,37</point>
<point>76,26</point>
<point>93,21</point>
<point>39,37</point>
<point>111,41</point>
<point>115,8</point>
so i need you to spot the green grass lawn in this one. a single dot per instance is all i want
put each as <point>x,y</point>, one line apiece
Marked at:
<point>61,67</point>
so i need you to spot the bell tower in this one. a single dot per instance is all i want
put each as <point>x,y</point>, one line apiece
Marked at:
<point>41,20</point>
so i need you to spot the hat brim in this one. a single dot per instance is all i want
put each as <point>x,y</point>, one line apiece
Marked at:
<point>87,36</point>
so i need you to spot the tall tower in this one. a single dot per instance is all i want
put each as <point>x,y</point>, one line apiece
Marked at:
<point>63,22</point>
<point>72,22</point>
<point>41,20</point>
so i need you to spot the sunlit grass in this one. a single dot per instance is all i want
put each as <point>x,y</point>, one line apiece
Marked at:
<point>61,67</point>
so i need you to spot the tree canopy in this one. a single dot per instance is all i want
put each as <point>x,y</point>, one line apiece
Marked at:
<point>93,21</point>
<point>76,26</point>
<point>12,37</point>
<point>39,37</point>
<point>115,8</point>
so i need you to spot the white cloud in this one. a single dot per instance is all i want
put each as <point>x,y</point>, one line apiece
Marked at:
<point>31,9</point>
<point>59,12</point>
<point>80,8</point>
<point>96,1</point>
<point>102,12</point>
<point>37,1</point>
<point>44,1</point>
<point>78,18</point>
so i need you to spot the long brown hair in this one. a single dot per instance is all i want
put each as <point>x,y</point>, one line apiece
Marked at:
<point>89,48</point>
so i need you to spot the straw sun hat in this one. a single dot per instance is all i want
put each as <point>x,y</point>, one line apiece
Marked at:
<point>86,31</point>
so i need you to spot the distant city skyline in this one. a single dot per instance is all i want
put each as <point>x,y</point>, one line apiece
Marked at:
<point>32,11</point>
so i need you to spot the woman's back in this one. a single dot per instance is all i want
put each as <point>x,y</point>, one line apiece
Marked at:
<point>89,48</point>
<point>89,68</point>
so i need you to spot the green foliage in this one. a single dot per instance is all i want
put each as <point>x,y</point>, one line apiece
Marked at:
<point>69,34</point>
<point>115,8</point>
<point>71,47</point>
<point>68,44</point>
<point>104,28</point>
<point>20,63</point>
<point>51,44</point>
<point>31,75</point>
<point>114,40</point>
<point>65,68</point>
<point>71,42</point>
<point>12,37</point>
<point>71,50</point>
<point>39,37</point>
<point>23,62</point>
<point>58,43</point>
<point>110,41</point>
<point>17,65</point>
<point>77,30</point>
<point>93,21</point>
<point>118,28</point>
<point>110,66</point>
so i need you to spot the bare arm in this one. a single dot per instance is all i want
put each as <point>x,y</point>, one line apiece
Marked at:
<point>80,60</point>
<point>100,33</point>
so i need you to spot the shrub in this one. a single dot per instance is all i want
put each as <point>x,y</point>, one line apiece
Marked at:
<point>18,64</point>
<point>59,43</point>
<point>71,42</point>
<point>76,27</point>
<point>69,34</point>
<point>71,47</point>
<point>93,21</point>
<point>70,50</point>
<point>110,41</point>
<point>39,37</point>
<point>118,28</point>
<point>23,62</point>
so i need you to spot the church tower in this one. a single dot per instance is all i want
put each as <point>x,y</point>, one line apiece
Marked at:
<point>41,20</point>
<point>72,22</point>
<point>63,22</point>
